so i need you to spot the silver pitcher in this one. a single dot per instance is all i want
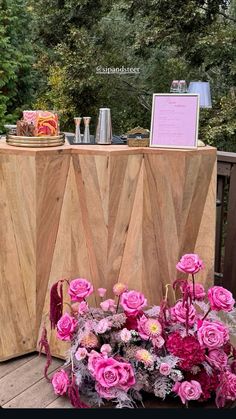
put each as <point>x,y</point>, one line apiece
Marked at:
<point>104,128</point>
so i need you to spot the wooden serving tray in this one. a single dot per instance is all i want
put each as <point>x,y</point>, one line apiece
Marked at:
<point>22,141</point>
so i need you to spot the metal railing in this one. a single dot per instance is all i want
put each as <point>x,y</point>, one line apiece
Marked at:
<point>225,248</point>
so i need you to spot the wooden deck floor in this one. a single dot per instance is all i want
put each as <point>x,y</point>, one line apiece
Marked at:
<point>22,384</point>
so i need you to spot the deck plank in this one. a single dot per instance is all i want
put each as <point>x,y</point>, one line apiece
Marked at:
<point>11,365</point>
<point>39,394</point>
<point>26,376</point>
<point>60,403</point>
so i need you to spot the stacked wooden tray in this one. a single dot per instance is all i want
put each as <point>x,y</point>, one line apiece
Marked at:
<point>19,141</point>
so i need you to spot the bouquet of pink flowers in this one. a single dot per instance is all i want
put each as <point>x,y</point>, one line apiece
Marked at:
<point>123,348</point>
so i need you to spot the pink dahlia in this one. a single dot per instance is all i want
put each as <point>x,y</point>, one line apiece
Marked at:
<point>144,356</point>
<point>149,328</point>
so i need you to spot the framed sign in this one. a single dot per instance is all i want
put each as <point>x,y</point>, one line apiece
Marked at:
<point>174,121</point>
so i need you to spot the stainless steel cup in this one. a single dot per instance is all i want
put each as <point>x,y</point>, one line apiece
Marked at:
<point>86,138</point>
<point>78,138</point>
<point>104,128</point>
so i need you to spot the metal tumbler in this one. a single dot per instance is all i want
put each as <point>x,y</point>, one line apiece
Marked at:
<point>78,138</point>
<point>104,128</point>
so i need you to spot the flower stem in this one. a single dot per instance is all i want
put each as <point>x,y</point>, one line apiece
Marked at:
<point>118,302</point>
<point>193,287</point>
<point>206,314</point>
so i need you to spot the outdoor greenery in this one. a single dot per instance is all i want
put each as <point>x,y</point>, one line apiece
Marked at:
<point>51,49</point>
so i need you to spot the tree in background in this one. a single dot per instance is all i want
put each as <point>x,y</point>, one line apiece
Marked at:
<point>16,59</point>
<point>181,39</point>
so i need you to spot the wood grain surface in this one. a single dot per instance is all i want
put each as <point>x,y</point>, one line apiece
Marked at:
<point>107,214</point>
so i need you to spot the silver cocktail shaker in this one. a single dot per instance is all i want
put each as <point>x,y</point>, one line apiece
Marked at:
<point>104,129</point>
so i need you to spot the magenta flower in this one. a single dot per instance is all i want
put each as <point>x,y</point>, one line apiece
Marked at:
<point>66,327</point>
<point>188,390</point>
<point>212,335</point>
<point>149,328</point>
<point>180,313</point>
<point>199,291</point>
<point>79,289</point>
<point>60,382</point>
<point>217,358</point>
<point>132,302</point>
<point>190,264</point>
<point>109,372</point>
<point>220,299</point>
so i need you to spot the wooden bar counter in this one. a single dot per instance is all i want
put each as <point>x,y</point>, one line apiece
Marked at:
<point>105,213</point>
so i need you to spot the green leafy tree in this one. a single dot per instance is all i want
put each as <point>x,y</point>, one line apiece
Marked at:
<point>16,59</point>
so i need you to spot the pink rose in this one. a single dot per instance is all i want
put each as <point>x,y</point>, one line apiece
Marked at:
<point>199,291</point>
<point>102,292</point>
<point>106,349</point>
<point>231,393</point>
<point>179,313</point>
<point>81,353</point>
<point>212,335</point>
<point>112,373</point>
<point>217,358</point>
<point>93,358</point>
<point>102,326</point>
<point>190,264</point>
<point>125,335</point>
<point>132,302</point>
<point>79,289</point>
<point>149,328</point>
<point>83,308</point>
<point>108,305</point>
<point>220,299</point>
<point>119,288</point>
<point>66,327</point>
<point>60,382</point>
<point>165,368</point>
<point>188,390</point>
<point>227,388</point>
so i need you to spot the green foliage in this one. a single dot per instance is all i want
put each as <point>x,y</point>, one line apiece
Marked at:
<point>16,59</point>
<point>181,39</point>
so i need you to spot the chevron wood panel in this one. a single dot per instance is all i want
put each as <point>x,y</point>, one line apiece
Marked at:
<point>17,256</point>
<point>102,213</point>
<point>51,176</point>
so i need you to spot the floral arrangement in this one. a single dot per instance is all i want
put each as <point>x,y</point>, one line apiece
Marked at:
<point>123,348</point>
